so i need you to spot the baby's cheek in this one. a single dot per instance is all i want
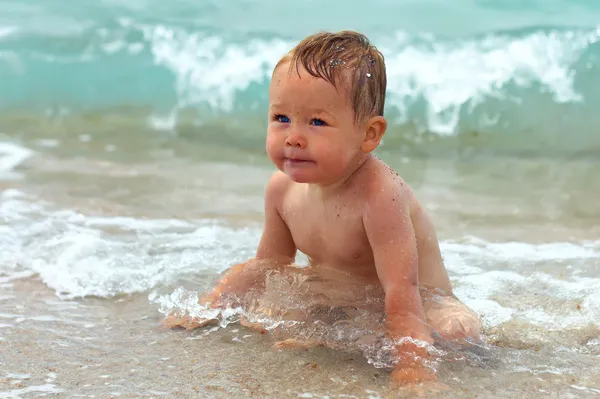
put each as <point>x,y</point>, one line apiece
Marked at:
<point>272,146</point>
<point>337,162</point>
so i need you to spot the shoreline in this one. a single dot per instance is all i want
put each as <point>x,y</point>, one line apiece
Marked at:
<point>118,348</point>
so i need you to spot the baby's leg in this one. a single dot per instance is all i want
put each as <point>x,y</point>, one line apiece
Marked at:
<point>450,318</point>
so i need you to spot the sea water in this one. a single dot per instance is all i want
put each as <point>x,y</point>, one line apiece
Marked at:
<point>132,171</point>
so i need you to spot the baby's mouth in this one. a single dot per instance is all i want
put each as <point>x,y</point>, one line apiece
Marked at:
<point>297,161</point>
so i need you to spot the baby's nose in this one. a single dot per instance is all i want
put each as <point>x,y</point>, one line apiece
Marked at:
<point>295,139</point>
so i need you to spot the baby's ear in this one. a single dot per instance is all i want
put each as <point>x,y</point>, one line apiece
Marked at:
<point>374,131</point>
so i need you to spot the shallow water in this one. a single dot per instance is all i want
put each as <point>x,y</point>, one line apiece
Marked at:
<point>91,238</point>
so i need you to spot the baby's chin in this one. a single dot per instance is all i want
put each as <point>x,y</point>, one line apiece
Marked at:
<point>300,177</point>
<point>309,179</point>
<point>310,175</point>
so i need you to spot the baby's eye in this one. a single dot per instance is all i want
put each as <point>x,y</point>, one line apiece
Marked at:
<point>282,118</point>
<point>318,122</point>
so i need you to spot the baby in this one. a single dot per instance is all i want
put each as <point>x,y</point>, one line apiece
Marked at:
<point>356,220</point>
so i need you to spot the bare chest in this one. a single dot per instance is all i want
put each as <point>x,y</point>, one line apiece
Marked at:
<point>329,232</point>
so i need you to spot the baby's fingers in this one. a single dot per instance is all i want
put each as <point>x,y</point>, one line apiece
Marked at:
<point>187,322</point>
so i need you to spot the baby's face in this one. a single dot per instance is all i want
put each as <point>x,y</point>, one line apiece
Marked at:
<point>311,136</point>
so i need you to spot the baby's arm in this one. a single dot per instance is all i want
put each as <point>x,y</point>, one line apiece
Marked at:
<point>275,250</point>
<point>390,232</point>
<point>276,243</point>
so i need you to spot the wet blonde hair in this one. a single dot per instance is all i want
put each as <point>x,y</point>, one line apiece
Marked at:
<point>345,59</point>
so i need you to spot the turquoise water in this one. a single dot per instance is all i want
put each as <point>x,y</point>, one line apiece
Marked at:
<point>509,76</point>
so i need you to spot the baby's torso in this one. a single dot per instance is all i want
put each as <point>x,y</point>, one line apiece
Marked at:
<point>329,231</point>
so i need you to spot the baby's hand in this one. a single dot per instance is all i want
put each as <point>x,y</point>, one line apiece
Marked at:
<point>412,377</point>
<point>187,322</point>
<point>411,368</point>
<point>415,381</point>
<point>212,298</point>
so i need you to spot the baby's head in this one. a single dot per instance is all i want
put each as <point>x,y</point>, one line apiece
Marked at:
<point>326,106</point>
<point>350,63</point>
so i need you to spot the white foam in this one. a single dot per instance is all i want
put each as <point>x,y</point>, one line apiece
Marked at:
<point>516,251</point>
<point>208,70</point>
<point>444,75</point>
<point>164,123</point>
<point>7,31</point>
<point>594,391</point>
<point>509,271</point>
<point>132,224</point>
<point>11,156</point>
<point>17,276</point>
<point>76,256</point>
<point>451,75</point>
<point>17,376</point>
<point>44,389</point>
<point>48,143</point>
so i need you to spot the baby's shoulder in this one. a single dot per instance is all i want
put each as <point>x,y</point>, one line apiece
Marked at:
<point>278,181</point>
<point>383,182</point>
<point>277,187</point>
